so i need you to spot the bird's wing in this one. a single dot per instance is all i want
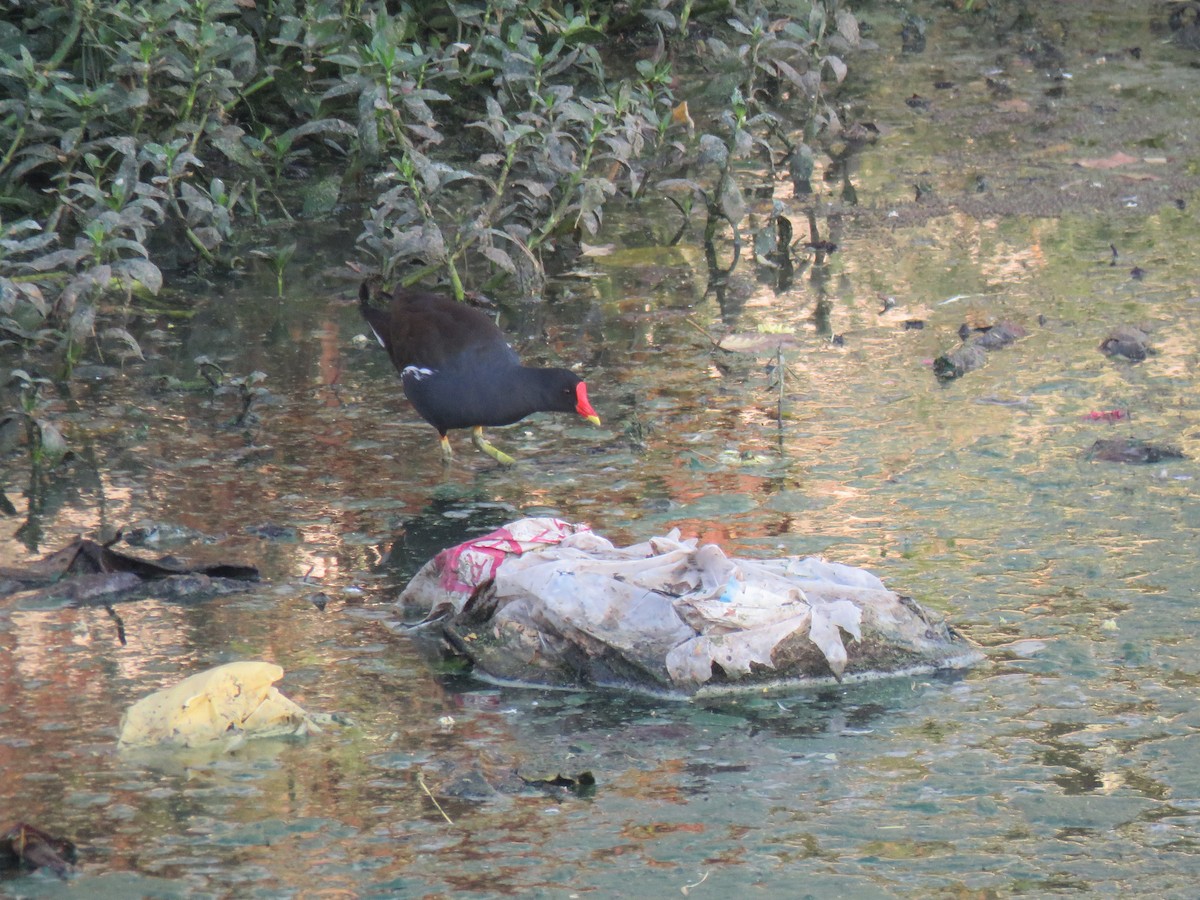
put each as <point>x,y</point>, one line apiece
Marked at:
<point>434,335</point>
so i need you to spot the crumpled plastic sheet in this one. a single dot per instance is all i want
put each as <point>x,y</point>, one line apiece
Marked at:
<point>229,703</point>
<point>546,601</point>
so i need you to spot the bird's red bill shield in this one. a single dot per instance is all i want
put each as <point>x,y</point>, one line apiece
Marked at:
<point>582,406</point>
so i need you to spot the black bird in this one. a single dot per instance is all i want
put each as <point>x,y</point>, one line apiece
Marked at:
<point>459,371</point>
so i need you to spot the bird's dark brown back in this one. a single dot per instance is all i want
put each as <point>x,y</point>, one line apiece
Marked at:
<point>425,329</point>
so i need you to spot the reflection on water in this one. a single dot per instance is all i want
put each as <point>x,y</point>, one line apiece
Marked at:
<point>1075,744</point>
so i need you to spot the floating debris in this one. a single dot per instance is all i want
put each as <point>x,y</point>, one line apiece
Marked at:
<point>228,704</point>
<point>25,846</point>
<point>1131,450</point>
<point>973,354</point>
<point>1127,341</point>
<point>549,602</point>
<point>1107,415</point>
<point>88,572</point>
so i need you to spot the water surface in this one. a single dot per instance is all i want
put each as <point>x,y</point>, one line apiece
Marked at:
<point>1068,764</point>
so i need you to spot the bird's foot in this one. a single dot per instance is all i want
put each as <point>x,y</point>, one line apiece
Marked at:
<point>498,455</point>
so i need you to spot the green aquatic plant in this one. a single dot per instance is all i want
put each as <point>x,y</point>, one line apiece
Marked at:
<point>481,142</point>
<point>43,439</point>
<point>551,132</point>
<point>278,258</point>
<point>781,74</point>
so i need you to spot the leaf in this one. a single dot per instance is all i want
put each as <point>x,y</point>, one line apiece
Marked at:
<point>424,241</point>
<point>54,445</point>
<point>833,123</point>
<point>733,206</point>
<point>500,258</point>
<point>660,17</point>
<point>99,276</point>
<point>791,74</point>
<point>196,201</point>
<point>636,178</point>
<point>536,189</point>
<point>582,780</point>
<point>339,88</point>
<point>33,294</point>
<point>21,226</point>
<point>800,167</point>
<point>766,242</point>
<point>12,431</point>
<point>517,232</point>
<point>31,158</point>
<point>132,347</point>
<point>712,150</point>
<point>368,130</point>
<point>83,320</point>
<point>561,157</point>
<point>591,204</point>
<point>426,133</point>
<point>210,237</point>
<point>230,141</point>
<point>781,48</point>
<point>680,185</point>
<point>140,271</point>
<point>743,143</point>
<point>321,126</point>
<point>838,67</point>
<point>847,26</point>
<point>129,98</point>
<point>58,259</point>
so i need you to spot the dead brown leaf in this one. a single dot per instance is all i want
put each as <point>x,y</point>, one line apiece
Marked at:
<point>756,342</point>
<point>22,844</point>
<point>1108,162</point>
<point>95,568</point>
<point>1016,105</point>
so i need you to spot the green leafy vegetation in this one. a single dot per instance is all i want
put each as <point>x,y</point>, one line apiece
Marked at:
<point>475,143</point>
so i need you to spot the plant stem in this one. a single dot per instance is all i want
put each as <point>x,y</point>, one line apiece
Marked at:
<point>12,148</point>
<point>568,194</point>
<point>69,39</point>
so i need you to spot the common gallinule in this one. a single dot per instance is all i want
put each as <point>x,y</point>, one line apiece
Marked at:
<point>458,370</point>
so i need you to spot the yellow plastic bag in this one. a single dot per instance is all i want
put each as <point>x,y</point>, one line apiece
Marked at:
<point>229,703</point>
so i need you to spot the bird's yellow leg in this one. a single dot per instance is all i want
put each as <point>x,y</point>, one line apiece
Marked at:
<point>498,455</point>
<point>447,452</point>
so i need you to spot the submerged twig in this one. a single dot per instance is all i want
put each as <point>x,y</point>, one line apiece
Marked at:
<point>700,328</point>
<point>120,623</point>
<point>425,788</point>
<point>781,368</point>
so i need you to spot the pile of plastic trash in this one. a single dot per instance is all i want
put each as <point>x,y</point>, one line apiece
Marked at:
<point>549,602</point>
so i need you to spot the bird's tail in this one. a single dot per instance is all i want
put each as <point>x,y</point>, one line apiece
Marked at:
<point>377,318</point>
